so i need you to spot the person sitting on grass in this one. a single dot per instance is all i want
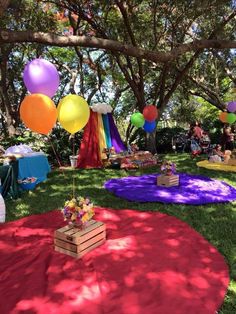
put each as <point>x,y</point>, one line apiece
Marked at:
<point>218,156</point>
<point>217,151</point>
<point>227,139</point>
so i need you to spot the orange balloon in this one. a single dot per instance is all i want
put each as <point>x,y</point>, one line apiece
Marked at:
<point>39,113</point>
<point>223,117</point>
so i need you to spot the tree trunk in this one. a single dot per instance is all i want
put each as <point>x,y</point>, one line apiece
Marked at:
<point>7,112</point>
<point>3,5</point>
<point>11,130</point>
<point>151,142</point>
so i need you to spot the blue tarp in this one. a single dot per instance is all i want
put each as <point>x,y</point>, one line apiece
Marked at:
<point>34,166</point>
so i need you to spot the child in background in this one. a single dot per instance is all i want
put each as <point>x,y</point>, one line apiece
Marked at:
<point>217,155</point>
<point>228,138</point>
<point>217,151</point>
<point>134,148</point>
<point>112,150</point>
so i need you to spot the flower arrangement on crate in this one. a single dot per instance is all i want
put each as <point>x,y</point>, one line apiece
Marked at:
<point>168,168</point>
<point>78,211</point>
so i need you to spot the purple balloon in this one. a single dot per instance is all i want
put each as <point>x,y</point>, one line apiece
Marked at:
<point>231,106</point>
<point>41,76</point>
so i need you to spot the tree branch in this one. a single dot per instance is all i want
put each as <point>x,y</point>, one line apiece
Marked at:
<point>133,41</point>
<point>207,98</point>
<point>3,5</point>
<point>126,21</point>
<point>185,70</point>
<point>129,79</point>
<point>228,69</point>
<point>122,66</point>
<point>163,82</point>
<point>212,97</point>
<point>52,39</point>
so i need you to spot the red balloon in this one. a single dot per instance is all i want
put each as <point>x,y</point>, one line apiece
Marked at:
<point>150,113</point>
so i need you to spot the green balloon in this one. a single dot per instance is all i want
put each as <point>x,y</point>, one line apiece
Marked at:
<point>137,119</point>
<point>231,118</point>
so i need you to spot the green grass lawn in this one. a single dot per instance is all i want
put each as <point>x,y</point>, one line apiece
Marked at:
<point>216,222</point>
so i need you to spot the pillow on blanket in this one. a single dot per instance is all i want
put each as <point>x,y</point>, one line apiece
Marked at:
<point>215,158</point>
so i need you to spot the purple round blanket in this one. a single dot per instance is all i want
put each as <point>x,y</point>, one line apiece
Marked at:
<point>192,189</point>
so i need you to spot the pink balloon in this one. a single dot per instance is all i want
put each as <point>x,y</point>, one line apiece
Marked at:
<point>41,77</point>
<point>231,106</point>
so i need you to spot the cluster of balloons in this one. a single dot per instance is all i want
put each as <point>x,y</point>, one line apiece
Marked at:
<point>145,120</point>
<point>38,111</point>
<point>230,116</point>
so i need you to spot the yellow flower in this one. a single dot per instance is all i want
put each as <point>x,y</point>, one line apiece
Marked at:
<point>71,204</point>
<point>86,208</point>
<point>91,213</point>
<point>85,218</point>
<point>73,217</point>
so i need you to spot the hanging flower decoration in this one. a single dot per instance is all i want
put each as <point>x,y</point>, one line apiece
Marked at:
<point>168,168</point>
<point>78,210</point>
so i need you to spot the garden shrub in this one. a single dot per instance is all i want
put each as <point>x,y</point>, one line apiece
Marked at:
<point>164,138</point>
<point>59,139</point>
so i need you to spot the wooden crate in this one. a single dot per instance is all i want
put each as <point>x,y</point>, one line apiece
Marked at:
<point>168,180</point>
<point>76,242</point>
<point>232,162</point>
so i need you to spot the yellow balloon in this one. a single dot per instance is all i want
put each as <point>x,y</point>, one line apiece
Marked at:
<point>73,113</point>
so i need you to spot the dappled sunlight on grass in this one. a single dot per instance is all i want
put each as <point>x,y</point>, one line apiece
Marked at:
<point>216,222</point>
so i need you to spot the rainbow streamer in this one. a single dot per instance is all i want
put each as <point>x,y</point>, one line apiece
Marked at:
<point>101,136</point>
<point>107,130</point>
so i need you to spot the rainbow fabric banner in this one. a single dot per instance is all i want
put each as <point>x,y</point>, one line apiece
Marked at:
<point>107,130</point>
<point>100,132</point>
<point>101,136</point>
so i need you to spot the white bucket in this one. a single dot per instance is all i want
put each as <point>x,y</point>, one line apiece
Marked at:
<point>2,209</point>
<point>73,161</point>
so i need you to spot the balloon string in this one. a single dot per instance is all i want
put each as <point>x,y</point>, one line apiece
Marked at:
<point>73,154</point>
<point>73,145</point>
<point>73,186</point>
<point>54,151</point>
